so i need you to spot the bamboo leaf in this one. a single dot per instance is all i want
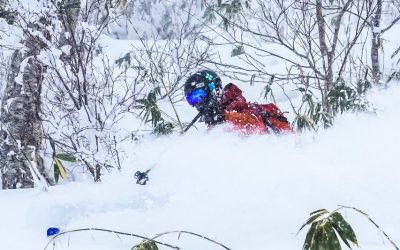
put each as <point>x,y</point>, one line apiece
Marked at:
<point>65,157</point>
<point>125,59</point>
<point>343,228</point>
<point>325,237</point>
<point>239,50</point>
<point>253,76</point>
<point>267,90</point>
<point>314,216</point>
<point>209,14</point>
<point>309,237</point>
<point>61,169</point>
<point>395,52</point>
<point>56,173</point>
<point>319,211</point>
<point>271,80</point>
<point>147,245</point>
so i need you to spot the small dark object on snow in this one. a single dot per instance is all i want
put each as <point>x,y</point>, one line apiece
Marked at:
<point>142,177</point>
<point>52,231</point>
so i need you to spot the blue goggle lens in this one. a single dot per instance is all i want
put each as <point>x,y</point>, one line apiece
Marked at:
<point>196,96</point>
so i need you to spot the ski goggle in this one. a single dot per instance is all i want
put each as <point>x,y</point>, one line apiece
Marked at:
<point>196,96</point>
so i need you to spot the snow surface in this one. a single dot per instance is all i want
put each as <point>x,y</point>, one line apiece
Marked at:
<point>245,192</point>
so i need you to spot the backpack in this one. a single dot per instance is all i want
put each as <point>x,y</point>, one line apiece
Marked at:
<point>250,117</point>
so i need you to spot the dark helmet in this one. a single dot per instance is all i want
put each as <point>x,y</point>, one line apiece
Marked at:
<point>201,86</point>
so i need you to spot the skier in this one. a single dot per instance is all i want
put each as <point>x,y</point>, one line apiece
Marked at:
<point>217,105</point>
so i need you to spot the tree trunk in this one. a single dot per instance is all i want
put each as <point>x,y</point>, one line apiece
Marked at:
<point>327,60</point>
<point>376,37</point>
<point>21,131</point>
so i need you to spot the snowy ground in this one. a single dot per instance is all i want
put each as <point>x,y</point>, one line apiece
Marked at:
<point>246,192</point>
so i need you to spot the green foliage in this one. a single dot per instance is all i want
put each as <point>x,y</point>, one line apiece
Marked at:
<point>267,90</point>
<point>163,128</point>
<point>313,113</point>
<point>324,228</point>
<point>363,86</point>
<point>57,173</point>
<point>65,157</point>
<point>146,245</point>
<point>68,6</point>
<point>126,59</point>
<point>395,75</point>
<point>209,14</point>
<point>341,98</point>
<point>231,8</point>
<point>59,169</point>
<point>151,113</point>
<point>227,10</point>
<point>239,50</point>
<point>396,53</point>
<point>149,108</point>
<point>343,228</point>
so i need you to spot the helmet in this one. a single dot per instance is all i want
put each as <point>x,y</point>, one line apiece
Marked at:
<point>201,86</point>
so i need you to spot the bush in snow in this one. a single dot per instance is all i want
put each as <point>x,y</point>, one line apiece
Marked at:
<point>158,70</point>
<point>320,43</point>
<point>325,227</point>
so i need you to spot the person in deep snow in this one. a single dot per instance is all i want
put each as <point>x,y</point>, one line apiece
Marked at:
<point>217,105</point>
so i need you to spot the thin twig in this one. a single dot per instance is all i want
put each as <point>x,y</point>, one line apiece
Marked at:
<point>109,231</point>
<point>194,234</point>
<point>373,222</point>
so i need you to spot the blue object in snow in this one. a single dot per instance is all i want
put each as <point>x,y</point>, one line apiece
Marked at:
<point>52,231</point>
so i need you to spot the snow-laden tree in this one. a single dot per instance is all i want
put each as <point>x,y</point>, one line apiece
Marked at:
<point>387,14</point>
<point>160,20</point>
<point>324,45</point>
<point>21,129</point>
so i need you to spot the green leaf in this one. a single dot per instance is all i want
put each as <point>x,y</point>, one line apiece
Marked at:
<point>209,14</point>
<point>309,236</point>
<point>149,109</point>
<point>56,173</point>
<point>301,89</point>
<point>61,169</point>
<point>319,212</point>
<point>271,80</point>
<point>238,51</point>
<point>325,237</point>
<point>65,157</point>
<point>314,216</point>
<point>396,52</point>
<point>147,245</point>
<point>267,88</point>
<point>225,22</point>
<point>253,77</point>
<point>125,59</point>
<point>343,228</point>
<point>163,128</point>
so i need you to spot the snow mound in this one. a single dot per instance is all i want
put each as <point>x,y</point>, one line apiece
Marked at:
<point>245,192</point>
